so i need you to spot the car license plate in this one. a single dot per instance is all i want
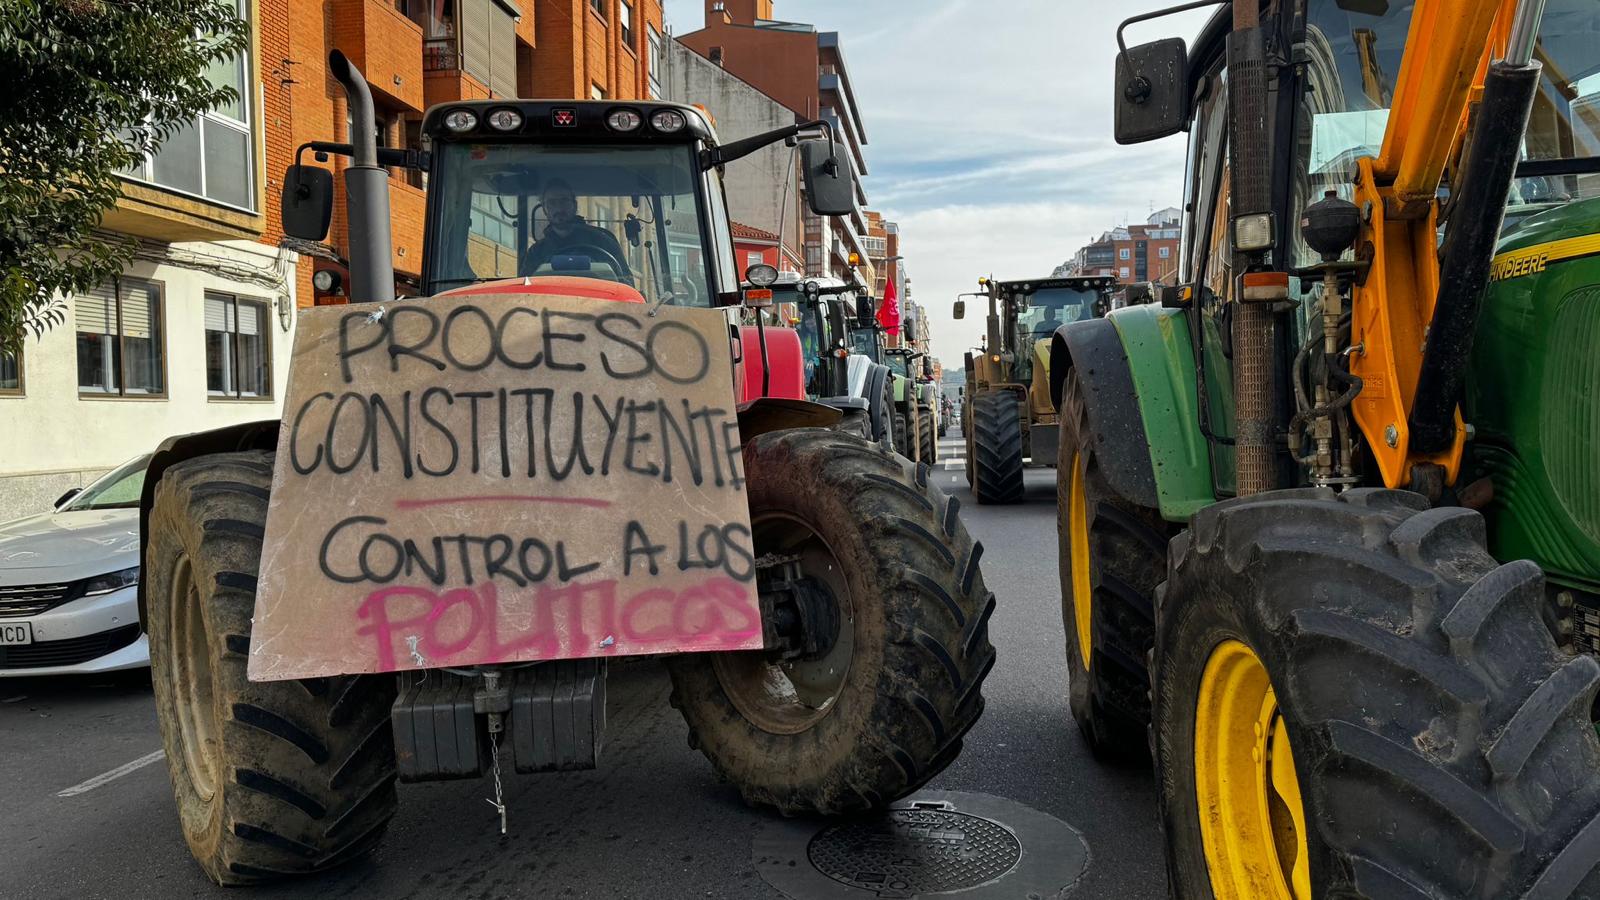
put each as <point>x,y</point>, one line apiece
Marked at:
<point>16,633</point>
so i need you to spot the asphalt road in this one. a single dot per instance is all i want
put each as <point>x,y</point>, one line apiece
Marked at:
<point>652,822</point>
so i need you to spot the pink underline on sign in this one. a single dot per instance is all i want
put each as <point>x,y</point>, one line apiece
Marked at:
<point>504,498</point>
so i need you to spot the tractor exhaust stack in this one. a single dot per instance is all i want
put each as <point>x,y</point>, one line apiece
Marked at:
<point>366,191</point>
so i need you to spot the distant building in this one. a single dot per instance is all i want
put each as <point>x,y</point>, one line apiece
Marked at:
<point>1133,254</point>
<point>804,70</point>
<point>763,189</point>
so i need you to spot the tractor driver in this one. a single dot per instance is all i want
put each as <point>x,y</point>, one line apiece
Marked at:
<point>1047,326</point>
<point>568,233</point>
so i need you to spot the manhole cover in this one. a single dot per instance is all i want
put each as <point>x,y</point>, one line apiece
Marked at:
<point>929,848</point>
<point>933,845</point>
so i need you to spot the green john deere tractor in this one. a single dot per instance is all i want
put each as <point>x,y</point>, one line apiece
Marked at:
<point>867,342</point>
<point>1329,512</point>
<point>912,413</point>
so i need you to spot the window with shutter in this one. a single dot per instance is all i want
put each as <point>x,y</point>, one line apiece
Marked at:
<point>238,351</point>
<point>121,348</point>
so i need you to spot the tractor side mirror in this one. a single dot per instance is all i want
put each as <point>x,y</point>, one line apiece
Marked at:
<point>960,312</point>
<point>866,311</point>
<point>830,188</point>
<point>307,202</point>
<point>1152,85</point>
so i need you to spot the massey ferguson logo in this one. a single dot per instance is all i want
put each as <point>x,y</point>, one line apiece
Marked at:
<point>564,118</point>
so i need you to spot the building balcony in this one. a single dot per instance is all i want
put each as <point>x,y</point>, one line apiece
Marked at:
<point>149,211</point>
<point>385,44</point>
<point>407,211</point>
<point>444,80</point>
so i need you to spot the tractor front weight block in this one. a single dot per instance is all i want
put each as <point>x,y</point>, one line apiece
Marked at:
<point>549,716</point>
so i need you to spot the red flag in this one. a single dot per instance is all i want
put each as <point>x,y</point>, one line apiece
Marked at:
<point>889,309</point>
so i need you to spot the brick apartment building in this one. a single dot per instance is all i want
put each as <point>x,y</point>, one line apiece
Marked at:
<point>1133,254</point>
<point>196,333</point>
<point>804,70</point>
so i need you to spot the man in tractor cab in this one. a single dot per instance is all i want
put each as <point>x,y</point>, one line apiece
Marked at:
<point>567,233</point>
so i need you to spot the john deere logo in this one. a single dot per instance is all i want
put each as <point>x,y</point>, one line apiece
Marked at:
<point>1516,265</point>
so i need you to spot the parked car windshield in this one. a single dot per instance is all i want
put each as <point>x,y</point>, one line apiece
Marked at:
<point>118,489</point>
<point>621,213</point>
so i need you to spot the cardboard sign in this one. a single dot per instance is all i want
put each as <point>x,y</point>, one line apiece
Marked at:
<point>504,477</point>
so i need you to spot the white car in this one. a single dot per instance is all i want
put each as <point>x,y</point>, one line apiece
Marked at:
<point>69,579</point>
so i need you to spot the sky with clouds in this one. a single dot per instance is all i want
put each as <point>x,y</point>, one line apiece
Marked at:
<point>989,133</point>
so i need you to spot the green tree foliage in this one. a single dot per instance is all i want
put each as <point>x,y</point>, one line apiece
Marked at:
<point>91,87</point>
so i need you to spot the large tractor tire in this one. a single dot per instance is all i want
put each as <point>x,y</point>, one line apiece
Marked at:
<point>904,439</point>
<point>1111,555</point>
<point>274,778</point>
<point>997,449</point>
<point>927,442</point>
<point>1352,699</point>
<point>885,707</point>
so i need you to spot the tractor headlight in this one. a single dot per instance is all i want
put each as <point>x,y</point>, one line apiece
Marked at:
<point>1252,233</point>
<point>505,120</point>
<point>326,281</point>
<point>668,121</point>
<point>460,120</point>
<point>624,120</point>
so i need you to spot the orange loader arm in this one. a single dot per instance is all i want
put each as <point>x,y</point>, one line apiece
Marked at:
<point>1447,50</point>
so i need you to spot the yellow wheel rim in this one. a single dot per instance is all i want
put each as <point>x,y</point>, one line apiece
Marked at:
<point>1078,540</point>
<point>1252,821</point>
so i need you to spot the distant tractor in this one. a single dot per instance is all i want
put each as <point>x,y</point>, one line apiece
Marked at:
<point>1008,384</point>
<point>911,409</point>
<point>867,339</point>
<point>835,375</point>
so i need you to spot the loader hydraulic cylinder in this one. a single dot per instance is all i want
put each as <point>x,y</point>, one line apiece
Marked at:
<point>1479,195</point>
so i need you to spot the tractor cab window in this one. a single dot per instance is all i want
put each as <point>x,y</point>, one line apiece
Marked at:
<point>628,214</point>
<point>900,363</point>
<point>1355,63</point>
<point>1565,122</point>
<point>1036,317</point>
<point>864,341</point>
<point>1051,308</point>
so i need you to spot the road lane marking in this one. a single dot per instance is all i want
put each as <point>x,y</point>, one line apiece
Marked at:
<point>113,775</point>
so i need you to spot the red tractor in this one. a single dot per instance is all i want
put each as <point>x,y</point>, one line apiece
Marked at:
<point>873,612</point>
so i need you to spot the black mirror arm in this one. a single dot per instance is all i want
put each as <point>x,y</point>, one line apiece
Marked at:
<point>420,160</point>
<point>713,157</point>
<point>1137,90</point>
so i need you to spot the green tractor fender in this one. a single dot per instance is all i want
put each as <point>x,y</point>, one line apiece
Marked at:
<point>1137,370</point>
